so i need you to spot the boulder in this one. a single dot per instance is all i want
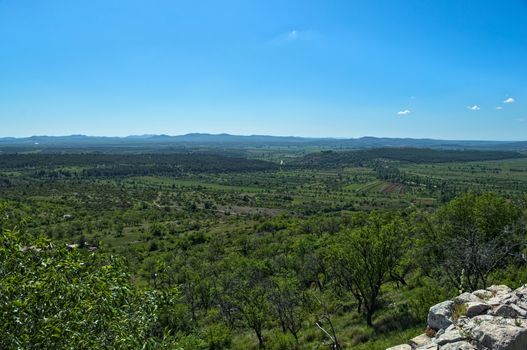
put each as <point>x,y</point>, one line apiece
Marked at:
<point>440,315</point>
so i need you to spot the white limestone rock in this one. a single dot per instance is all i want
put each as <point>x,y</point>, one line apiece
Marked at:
<point>440,315</point>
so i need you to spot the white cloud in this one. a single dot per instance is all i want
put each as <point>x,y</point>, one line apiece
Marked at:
<point>509,100</point>
<point>474,108</point>
<point>499,108</point>
<point>405,112</point>
<point>292,34</point>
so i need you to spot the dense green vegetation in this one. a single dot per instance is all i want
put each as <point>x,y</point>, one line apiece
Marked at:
<point>205,251</point>
<point>332,159</point>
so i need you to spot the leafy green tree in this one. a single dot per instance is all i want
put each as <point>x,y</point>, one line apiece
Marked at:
<point>244,287</point>
<point>287,301</point>
<point>52,297</point>
<point>470,237</point>
<point>364,259</point>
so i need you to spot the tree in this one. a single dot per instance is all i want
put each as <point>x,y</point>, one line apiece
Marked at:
<point>286,300</point>
<point>364,259</point>
<point>244,287</point>
<point>470,237</point>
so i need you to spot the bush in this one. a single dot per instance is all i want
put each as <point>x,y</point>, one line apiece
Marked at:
<point>278,340</point>
<point>218,336</point>
<point>427,294</point>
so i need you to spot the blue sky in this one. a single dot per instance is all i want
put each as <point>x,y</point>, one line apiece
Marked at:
<point>399,68</point>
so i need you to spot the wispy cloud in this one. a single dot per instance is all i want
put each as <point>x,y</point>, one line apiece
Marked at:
<point>405,112</point>
<point>474,108</point>
<point>509,100</point>
<point>521,120</point>
<point>294,35</point>
<point>499,108</point>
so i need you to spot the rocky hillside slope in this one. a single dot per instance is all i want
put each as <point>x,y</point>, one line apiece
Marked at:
<point>491,319</point>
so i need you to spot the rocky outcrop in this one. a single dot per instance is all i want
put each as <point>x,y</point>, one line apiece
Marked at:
<point>490,319</point>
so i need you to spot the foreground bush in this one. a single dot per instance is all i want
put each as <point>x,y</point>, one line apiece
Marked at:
<point>52,297</point>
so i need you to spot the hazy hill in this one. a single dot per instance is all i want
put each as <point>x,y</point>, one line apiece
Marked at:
<point>166,142</point>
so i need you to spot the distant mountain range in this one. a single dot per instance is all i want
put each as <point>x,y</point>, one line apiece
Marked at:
<point>196,140</point>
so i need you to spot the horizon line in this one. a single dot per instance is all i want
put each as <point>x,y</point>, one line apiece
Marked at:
<point>259,135</point>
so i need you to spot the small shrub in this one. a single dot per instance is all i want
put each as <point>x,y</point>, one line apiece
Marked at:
<point>218,336</point>
<point>459,310</point>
